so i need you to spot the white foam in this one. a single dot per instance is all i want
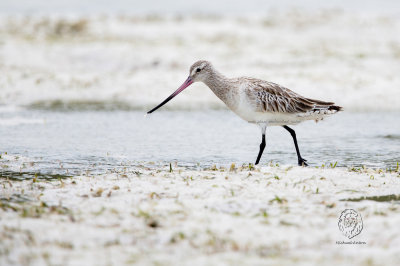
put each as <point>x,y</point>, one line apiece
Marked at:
<point>16,121</point>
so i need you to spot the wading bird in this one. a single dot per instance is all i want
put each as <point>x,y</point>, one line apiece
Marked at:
<point>257,101</point>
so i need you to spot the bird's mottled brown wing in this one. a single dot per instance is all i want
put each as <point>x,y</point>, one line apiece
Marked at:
<point>271,97</point>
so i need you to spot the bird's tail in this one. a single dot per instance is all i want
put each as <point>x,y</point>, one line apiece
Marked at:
<point>320,110</point>
<point>335,108</point>
<point>325,106</point>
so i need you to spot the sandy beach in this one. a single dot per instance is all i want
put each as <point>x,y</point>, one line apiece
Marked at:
<point>171,215</point>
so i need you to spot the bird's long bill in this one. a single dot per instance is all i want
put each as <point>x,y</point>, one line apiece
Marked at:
<point>181,88</point>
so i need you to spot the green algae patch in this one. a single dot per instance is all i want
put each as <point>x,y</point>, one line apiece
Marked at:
<point>383,198</point>
<point>34,176</point>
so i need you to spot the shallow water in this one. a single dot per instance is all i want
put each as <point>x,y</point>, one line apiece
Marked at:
<point>64,143</point>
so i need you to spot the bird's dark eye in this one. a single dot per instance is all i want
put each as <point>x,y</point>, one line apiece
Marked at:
<point>198,70</point>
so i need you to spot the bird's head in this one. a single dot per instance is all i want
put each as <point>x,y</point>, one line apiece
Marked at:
<point>199,71</point>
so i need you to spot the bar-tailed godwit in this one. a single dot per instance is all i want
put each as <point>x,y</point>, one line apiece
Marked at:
<point>257,101</point>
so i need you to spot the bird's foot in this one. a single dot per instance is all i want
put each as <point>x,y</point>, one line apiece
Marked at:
<point>302,162</point>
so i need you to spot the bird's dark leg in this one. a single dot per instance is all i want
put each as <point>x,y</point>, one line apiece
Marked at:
<point>302,162</point>
<point>262,145</point>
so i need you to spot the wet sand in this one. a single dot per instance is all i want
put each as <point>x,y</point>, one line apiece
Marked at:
<point>173,215</point>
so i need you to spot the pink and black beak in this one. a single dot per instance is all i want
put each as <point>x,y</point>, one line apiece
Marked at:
<point>181,88</point>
